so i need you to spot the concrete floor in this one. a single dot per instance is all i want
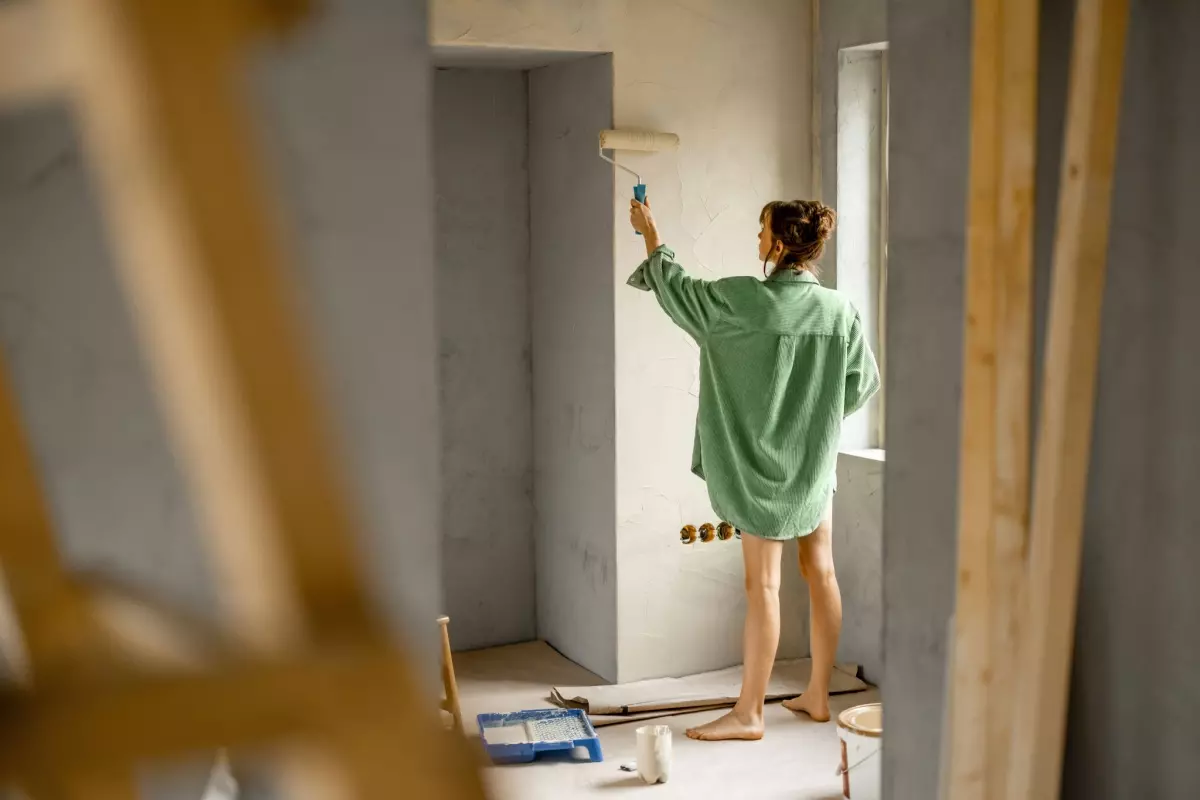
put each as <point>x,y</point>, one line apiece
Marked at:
<point>796,759</point>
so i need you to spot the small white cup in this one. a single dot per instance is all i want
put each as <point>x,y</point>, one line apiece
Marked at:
<point>654,753</point>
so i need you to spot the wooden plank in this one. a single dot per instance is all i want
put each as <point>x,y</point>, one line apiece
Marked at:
<point>32,67</point>
<point>168,134</point>
<point>967,733</point>
<point>46,621</point>
<point>449,681</point>
<point>1017,139</point>
<point>361,702</point>
<point>1068,397</point>
<point>87,780</point>
<point>994,465</point>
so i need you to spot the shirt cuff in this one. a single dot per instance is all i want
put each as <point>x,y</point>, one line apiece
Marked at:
<point>638,279</point>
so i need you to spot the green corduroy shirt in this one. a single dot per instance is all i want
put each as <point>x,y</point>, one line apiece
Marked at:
<point>782,362</point>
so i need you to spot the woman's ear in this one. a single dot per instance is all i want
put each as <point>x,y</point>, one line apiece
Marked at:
<point>776,251</point>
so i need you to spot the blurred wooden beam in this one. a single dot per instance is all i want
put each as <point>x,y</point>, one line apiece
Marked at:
<point>47,621</point>
<point>167,130</point>
<point>363,698</point>
<point>1068,399</point>
<point>32,67</point>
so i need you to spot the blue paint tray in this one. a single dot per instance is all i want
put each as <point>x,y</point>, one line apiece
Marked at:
<point>519,737</point>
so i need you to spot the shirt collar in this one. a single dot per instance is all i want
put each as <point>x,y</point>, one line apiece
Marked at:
<point>786,275</point>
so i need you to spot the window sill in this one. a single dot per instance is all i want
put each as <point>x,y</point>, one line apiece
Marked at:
<point>868,453</point>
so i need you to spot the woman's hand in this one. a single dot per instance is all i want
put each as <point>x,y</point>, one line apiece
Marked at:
<point>640,217</point>
<point>643,222</point>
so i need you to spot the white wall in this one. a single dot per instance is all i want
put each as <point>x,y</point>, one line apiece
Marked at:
<point>573,361</point>
<point>480,146</point>
<point>732,79</point>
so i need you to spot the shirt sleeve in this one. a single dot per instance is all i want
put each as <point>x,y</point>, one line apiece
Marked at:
<point>862,373</point>
<point>692,304</point>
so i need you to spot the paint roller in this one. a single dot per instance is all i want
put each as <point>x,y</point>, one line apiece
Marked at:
<point>643,141</point>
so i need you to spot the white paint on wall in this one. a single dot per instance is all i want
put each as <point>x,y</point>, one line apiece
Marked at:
<point>480,146</point>
<point>573,362</point>
<point>733,80</point>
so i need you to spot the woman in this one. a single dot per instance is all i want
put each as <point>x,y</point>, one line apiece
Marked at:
<point>782,361</point>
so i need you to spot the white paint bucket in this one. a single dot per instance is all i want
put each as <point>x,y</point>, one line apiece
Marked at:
<point>860,730</point>
<point>654,753</point>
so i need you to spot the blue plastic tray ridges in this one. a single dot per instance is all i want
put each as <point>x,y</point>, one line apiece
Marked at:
<point>540,731</point>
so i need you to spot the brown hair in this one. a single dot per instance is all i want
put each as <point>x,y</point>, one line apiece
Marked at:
<point>803,227</point>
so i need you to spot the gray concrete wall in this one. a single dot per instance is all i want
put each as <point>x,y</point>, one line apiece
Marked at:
<point>345,112</point>
<point>364,231</point>
<point>858,558</point>
<point>929,62</point>
<point>116,497</point>
<point>1133,691</point>
<point>346,103</point>
<point>480,148</point>
<point>571,200</point>
<point>857,518</point>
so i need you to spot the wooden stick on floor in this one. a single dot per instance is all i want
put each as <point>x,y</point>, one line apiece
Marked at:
<point>994,463</point>
<point>1068,398</point>
<point>449,681</point>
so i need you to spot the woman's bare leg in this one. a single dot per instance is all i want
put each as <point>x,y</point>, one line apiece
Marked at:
<point>760,638</point>
<point>825,618</point>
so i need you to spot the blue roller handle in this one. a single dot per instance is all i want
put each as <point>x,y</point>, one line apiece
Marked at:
<point>639,194</point>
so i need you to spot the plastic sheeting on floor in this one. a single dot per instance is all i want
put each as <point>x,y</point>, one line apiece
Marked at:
<point>660,697</point>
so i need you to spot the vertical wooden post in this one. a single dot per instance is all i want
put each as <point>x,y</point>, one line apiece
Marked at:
<point>994,461</point>
<point>1068,399</point>
<point>1016,176</point>
<point>967,734</point>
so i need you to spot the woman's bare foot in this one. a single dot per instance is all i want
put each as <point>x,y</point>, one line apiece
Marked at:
<point>809,704</point>
<point>733,725</point>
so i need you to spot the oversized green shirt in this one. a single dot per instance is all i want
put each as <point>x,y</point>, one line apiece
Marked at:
<point>782,362</point>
